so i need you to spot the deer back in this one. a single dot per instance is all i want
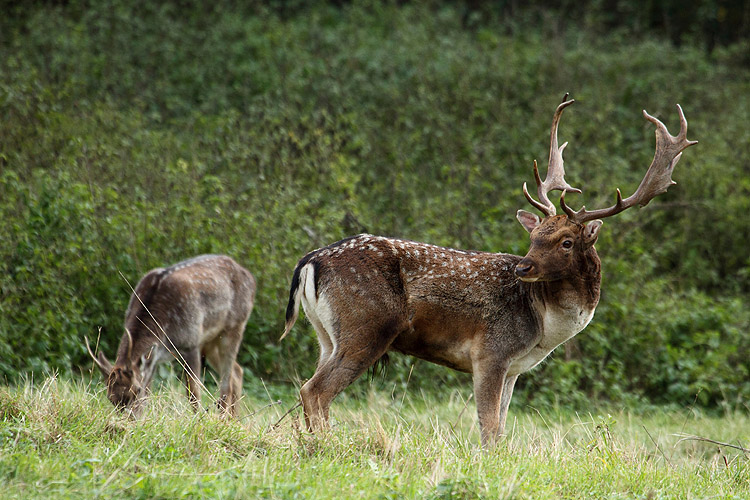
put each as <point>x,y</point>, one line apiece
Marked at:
<point>187,304</point>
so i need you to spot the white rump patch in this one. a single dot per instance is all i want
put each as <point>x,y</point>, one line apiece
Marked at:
<point>318,311</point>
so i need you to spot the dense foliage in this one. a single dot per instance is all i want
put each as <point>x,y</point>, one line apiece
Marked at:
<point>136,134</point>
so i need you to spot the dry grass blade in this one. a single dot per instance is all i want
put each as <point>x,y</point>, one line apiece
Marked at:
<point>658,447</point>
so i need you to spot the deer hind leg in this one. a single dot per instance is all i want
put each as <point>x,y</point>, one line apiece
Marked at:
<point>350,358</point>
<point>319,313</point>
<point>221,354</point>
<point>192,360</point>
<point>236,390</point>
<point>329,380</point>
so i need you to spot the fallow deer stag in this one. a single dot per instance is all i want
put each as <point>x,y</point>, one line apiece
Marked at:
<point>493,315</point>
<point>195,308</point>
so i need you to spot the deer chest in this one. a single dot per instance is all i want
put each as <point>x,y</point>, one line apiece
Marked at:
<point>558,325</point>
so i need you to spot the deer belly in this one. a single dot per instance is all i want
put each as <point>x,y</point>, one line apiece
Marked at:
<point>447,351</point>
<point>214,322</point>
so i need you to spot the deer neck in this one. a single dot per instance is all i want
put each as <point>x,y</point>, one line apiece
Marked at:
<point>141,347</point>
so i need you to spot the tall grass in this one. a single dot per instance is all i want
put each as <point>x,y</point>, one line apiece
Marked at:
<point>62,439</point>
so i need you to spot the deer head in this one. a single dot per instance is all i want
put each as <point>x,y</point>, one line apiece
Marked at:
<point>125,386</point>
<point>560,242</point>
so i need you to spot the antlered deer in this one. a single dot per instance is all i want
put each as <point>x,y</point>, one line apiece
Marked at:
<point>493,315</point>
<point>198,307</point>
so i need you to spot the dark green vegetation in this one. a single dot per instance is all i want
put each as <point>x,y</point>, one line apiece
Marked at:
<point>135,136</point>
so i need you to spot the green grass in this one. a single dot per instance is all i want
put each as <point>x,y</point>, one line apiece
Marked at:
<point>62,439</point>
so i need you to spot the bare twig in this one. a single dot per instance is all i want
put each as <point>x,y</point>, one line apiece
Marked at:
<point>690,409</point>
<point>272,403</point>
<point>688,437</point>
<point>290,410</point>
<point>406,385</point>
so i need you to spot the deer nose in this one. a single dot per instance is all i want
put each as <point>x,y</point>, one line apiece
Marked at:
<point>523,269</point>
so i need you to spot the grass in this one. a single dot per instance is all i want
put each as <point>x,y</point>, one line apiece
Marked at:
<point>62,439</point>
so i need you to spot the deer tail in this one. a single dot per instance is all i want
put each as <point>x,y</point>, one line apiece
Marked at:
<point>292,308</point>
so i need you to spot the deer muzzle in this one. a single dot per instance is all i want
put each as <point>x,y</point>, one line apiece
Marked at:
<point>526,271</point>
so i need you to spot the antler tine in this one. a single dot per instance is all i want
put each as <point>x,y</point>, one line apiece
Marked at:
<point>545,209</point>
<point>577,215</point>
<point>658,176</point>
<point>555,179</point>
<point>88,348</point>
<point>130,345</point>
<point>100,360</point>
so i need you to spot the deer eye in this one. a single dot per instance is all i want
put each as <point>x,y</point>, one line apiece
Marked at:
<point>567,243</point>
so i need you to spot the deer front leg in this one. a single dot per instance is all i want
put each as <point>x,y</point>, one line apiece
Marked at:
<point>510,382</point>
<point>489,379</point>
<point>192,360</point>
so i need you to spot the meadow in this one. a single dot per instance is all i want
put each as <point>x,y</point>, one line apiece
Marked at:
<point>60,438</point>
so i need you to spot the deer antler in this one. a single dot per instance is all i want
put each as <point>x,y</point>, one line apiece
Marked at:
<point>130,346</point>
<point>657,179</point>
<point>104,365</point>
<point>555,171</point>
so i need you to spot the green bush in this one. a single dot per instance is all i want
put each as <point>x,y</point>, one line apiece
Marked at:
<point>136,135</point>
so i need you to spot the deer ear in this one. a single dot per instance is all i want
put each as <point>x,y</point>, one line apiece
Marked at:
<point>528,220</point>
<point>591,232</point>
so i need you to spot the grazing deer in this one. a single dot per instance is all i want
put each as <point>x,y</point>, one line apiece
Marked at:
<point>493,315</point>
<point>197,307</point>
